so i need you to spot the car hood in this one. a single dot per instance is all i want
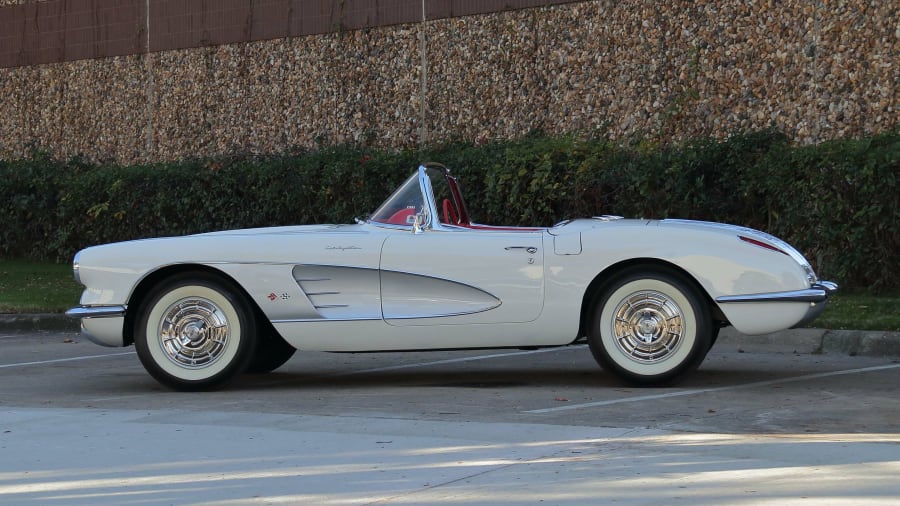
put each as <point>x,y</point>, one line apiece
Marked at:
<point>211,247</point>
<point>286,230</point>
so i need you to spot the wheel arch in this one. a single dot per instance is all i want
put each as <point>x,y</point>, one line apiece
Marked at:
<point>153,279</point>
<point>597,286</point>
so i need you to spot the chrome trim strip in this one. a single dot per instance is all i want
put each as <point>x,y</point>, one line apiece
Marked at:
<point>446,315</point>
<point>96,311</point>
<point>314,320</point>
<point>331,306</point>
<point>818,292</point>
<point>386,320</point>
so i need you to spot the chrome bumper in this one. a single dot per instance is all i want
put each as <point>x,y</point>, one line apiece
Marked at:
<point>816,293</point>
<point>96,311</point>
<point>816,296</point>
<point>101,324</point>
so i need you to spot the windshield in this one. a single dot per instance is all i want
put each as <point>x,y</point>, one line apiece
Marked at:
<point>402,207</point>
<point>429,193</point>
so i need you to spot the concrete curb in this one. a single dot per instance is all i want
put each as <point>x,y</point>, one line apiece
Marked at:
<point>872,343</point>
<point>38,322</point>
<point>858,342</point>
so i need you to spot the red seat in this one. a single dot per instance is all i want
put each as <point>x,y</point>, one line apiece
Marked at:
<point>402,217</point>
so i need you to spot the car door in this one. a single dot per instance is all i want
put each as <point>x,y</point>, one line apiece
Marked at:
<point>462,276</point>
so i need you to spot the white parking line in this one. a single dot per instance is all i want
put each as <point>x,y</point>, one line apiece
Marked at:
<point>714,389</point>
<point>42,362</point>
<point>364,371</point>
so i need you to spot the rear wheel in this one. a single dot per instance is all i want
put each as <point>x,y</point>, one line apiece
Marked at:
<point>651,326</point>
<point>194,332</point>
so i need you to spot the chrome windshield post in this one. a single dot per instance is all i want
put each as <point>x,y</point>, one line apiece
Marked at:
<point>418,222</point>
<point>429,209</point>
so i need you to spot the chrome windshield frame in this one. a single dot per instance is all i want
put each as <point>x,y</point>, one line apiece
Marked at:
<point>428,197</point>
<point>429,206</point>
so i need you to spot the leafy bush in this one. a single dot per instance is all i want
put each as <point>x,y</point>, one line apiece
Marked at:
<point>836,201</point>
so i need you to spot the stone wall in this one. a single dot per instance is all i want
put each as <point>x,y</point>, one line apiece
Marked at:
<point>817,69</point>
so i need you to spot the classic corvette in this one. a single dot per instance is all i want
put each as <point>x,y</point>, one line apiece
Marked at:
<point>648,296</point>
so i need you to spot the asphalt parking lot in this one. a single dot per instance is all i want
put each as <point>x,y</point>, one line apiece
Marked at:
<point>82,424</point>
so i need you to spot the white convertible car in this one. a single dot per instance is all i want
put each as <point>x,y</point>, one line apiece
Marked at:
<point>649,296</point>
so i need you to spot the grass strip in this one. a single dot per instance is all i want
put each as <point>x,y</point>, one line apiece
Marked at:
<point>36,287</point>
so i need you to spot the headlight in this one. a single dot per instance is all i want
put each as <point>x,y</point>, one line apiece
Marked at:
<point>75,268</point>
<point>810,273</point>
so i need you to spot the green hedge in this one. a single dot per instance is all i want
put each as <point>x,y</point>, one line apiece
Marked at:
<point>836,201</point>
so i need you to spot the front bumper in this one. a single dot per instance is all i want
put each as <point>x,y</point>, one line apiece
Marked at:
<point>816,296</point>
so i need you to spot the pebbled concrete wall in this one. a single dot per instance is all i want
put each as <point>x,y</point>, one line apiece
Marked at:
<point>817,69</point>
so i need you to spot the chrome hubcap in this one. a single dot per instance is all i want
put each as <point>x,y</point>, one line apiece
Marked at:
<point>194,332</point>
<point>648,326</point>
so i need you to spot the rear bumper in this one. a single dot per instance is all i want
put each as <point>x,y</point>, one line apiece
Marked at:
<point>817,293</point>
<point>103,325</point>
<point>96,311</point>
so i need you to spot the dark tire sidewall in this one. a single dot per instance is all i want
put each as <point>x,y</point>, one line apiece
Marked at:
<point>242,339</point>
<point>701,323</point>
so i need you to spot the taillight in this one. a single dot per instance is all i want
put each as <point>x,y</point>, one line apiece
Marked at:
<point>757,242</point>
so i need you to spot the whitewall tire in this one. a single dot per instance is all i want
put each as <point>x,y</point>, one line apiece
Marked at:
<point>194,332</point>
<point>650,326</point>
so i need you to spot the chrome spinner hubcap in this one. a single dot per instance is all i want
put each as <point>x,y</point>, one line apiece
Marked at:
<point>194,332</point>
<point>648,326</point>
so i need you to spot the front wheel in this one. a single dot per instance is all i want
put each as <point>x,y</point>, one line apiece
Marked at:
<point>194,332</point>
<point>651,326</point>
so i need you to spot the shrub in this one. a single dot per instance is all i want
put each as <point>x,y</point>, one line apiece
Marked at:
<point>836,201</point>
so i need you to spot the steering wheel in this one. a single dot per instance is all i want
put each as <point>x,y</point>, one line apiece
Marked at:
<point>450,213</point>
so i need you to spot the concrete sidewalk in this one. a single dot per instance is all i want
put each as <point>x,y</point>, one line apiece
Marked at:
<point>872,343</point>
<point>92,456</point>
